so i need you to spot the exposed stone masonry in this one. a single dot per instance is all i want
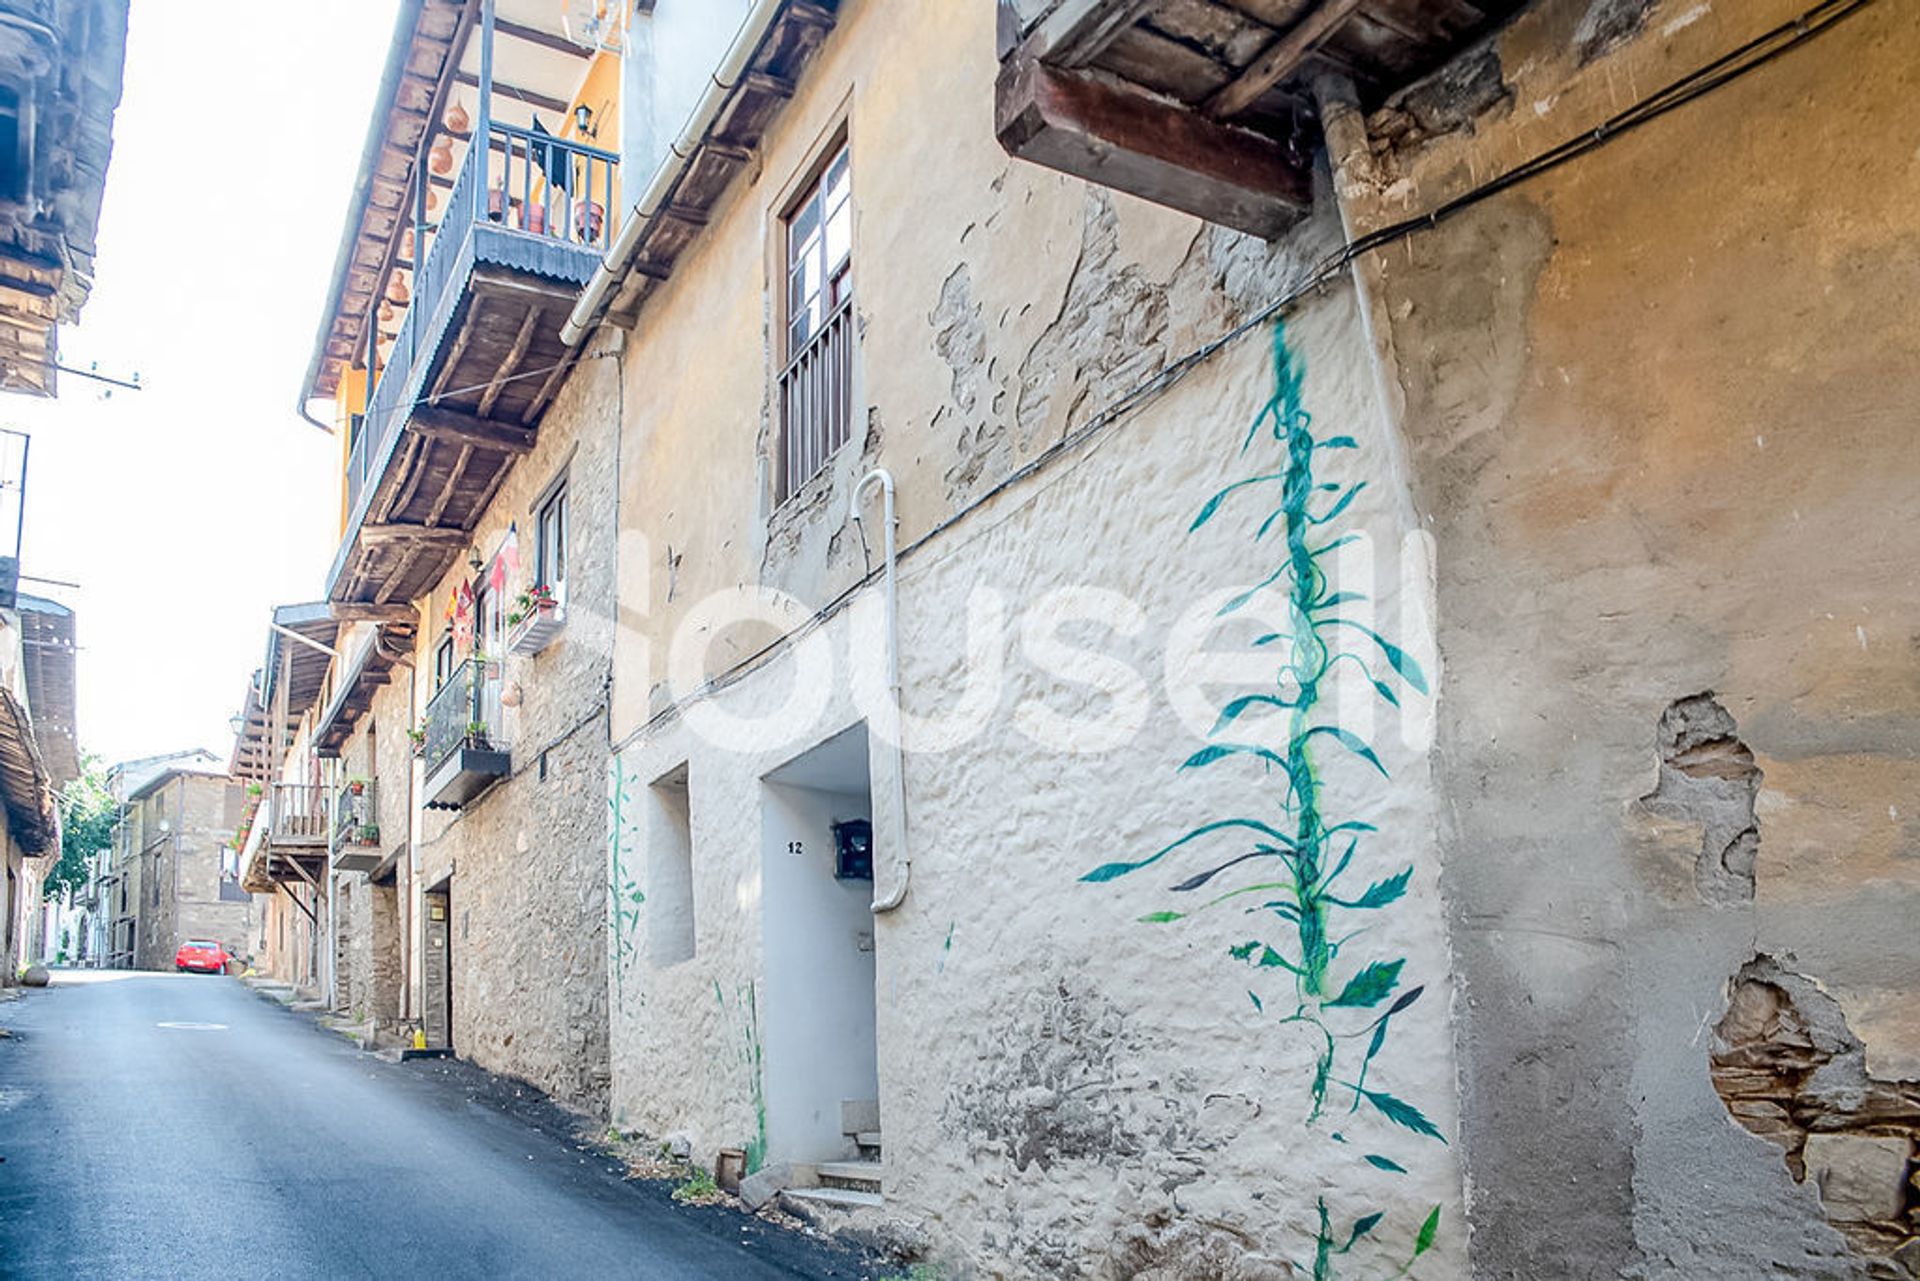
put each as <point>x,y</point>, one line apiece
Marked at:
<point>1791,1071</point>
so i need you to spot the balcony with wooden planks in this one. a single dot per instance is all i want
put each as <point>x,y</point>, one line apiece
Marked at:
<point>1209,106</point>
<point>478,228</point>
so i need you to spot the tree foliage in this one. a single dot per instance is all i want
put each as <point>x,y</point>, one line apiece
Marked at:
<point>86,826</point>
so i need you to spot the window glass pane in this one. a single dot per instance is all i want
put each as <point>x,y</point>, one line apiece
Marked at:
<point>839,240</point>
<point>806,220</point>
<point>835,183</point>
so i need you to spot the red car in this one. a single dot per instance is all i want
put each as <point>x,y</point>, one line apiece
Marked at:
<point>202,955</point>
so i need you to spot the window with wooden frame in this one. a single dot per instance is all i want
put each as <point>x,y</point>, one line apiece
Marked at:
<point>816,378</point>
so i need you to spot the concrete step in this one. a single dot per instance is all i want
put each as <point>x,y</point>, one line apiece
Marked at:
<point>843,1198</point>
<point>864,1175</point>
<point>868,1139</point>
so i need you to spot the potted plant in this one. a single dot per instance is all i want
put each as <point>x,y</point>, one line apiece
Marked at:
<point>357,785</point>
<point>588,217</point>
<point>418,737</point>
<point>477,735</point>
<point>369,834</point>
<point>535,620</point>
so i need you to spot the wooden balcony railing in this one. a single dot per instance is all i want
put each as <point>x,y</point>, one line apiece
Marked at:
<point>816,401</point>
<point>536,185</point>
<point>297,814</point>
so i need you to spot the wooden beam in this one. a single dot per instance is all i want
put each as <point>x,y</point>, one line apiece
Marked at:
<point>1281,58</point>
<point>458,350</point>
<point>547,388</point>
<point>535,36</point>
<point>355,612</point>
<point>465,430</point>
<point>373,535</point>
<point>509,362</point>
<point>447,491</point>
<point>532,97</point>
<point>397,499</point>
<point>1147,147</point>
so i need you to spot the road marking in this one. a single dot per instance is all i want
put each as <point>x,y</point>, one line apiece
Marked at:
<point>195,1027</point>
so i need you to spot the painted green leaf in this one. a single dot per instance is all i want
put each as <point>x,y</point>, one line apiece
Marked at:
<point>1231,712</point>
<point>1347,739</point>
<point>1400,660</point>
<point>1251,996</point>
<point>1361,1227</point>
<point>1213,504</point>
<point>1251,592</point>
<point>1337,442</point>
<point>1161,918</point>
<point>1428,1230</point>
<point>1370,986</point>
<point>1385,1163</point>
<point>1406,999</point>
<point>1402,1113</point>
<point>1267,958</point>
<point>1198,879</point>
<point>1220,751</point>
<point>1340,506</point>
<point>1339,598</point>
<point>1109,871</point>
<point>1381,893</point>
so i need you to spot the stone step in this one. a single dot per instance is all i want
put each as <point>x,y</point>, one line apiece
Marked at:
<point>843,1198</point>
<point>868,1139</point>
<point>864,1173</point>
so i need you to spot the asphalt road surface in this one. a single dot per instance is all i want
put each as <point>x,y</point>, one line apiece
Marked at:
<point>158,1125</point>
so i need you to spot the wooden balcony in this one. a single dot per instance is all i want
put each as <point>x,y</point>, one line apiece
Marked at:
<point>297,824</point>
<point>463,383</point>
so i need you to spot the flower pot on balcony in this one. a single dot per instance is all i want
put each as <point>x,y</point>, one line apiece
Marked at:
<point>588,218</point>
<point>498,206</point>
<point>536,219</point>
<point>536,628</point>
<point>358,787</point>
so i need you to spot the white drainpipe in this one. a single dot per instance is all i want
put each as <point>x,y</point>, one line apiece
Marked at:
<point>613,267</point>
<point>891,587</point>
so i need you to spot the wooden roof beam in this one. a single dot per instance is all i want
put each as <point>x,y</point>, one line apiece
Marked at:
<point>357,612</point>
<point>532,97</point>
<point>1281,58</point>
<point>534,36</point>
<point>509,362</point>
<point>373,535</point>
<point>1133,142</point>
<point>466,430</point>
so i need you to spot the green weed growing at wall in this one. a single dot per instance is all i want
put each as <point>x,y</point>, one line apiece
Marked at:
<point>1292,864</point>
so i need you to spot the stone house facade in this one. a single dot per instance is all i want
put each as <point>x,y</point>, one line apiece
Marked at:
<point>174,844</point>
<point>1396,707</point>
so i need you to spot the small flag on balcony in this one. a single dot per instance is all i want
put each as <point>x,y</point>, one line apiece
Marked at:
<point>509,559</point>
<point>463,616</point>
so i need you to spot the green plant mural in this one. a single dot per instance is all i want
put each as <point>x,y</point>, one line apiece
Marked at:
<point>750,1060</point>
<point>1294,864</point>
<point>624,895</point>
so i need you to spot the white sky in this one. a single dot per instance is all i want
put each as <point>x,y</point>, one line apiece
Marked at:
<point>186,511</point>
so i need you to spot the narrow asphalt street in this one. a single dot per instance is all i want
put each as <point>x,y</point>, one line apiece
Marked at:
<point>157,1125</point>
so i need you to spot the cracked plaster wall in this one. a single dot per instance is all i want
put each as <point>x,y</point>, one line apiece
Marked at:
<point>1659,404</point>
<point>1065,1091</point>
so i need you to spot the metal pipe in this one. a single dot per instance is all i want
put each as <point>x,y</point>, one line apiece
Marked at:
<point>304,640</point>
<point>752,31</point>
<point>890,588</point>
